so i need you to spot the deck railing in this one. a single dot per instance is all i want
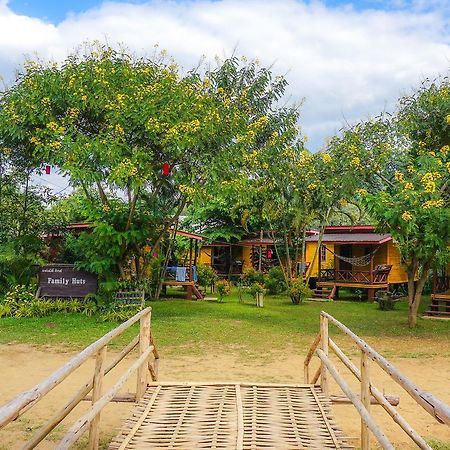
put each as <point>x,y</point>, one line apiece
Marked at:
<point>144,366</point>
<point>354,276</point>
<point>441,284</point>
<point>368,392</point>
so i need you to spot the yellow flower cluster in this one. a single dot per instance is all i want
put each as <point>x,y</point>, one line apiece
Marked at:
<point>46,101</point>
<point>188,191</point>
<point>448,119</point>
<point>433,204</point>
<point>445,149</point>
<point>106,208</point>
<point>355,162</point>
<point>72,113</point>
<point>36,141</point>
<point>6,151</point>
<point>400,177</point>
<point>118,129</point>
<point>428,181</point>
<point>326,158</point>
<point>55,145</point>
<point>407,216</point>
<point>408,186</point>
<point>361,191</point>
<point>53,126</point>
<point>311,186</point>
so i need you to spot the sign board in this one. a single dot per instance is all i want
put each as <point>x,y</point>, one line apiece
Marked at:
<point>62,280</point>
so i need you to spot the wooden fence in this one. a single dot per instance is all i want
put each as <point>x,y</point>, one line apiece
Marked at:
<point>145,366</point>
<point>368,392</point>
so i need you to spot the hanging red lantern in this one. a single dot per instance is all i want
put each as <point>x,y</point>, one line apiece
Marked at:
<point>47,170</point>
<point>269,254</point>
<point>166,169</point>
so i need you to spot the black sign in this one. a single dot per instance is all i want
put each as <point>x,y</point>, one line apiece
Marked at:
<point>62,280</point>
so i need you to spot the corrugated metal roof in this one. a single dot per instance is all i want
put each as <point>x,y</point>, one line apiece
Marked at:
<point>352,238</point>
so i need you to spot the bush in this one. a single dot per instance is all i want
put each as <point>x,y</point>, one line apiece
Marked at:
<point>257,288</point>
<point>299,291</point>
<point>120,313</point>
<point>206,275</point>
<point>274,281</point>
<point>223,288</point>
<point>251,276</point>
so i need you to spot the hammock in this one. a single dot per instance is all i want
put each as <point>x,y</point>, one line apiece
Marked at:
<point>358,261</point>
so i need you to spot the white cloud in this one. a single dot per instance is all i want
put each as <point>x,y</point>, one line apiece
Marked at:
<point>346,63</point>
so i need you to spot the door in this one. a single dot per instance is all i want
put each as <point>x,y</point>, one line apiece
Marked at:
<point>345,250</point>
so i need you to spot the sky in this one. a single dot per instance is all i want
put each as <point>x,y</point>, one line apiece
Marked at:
<point>345,60</point>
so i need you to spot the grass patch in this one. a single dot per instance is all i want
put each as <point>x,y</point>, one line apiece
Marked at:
<point>194,325</point>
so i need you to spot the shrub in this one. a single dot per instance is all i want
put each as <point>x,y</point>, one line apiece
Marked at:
<point>223,288</point>
<point>274,281</point>
<point>299,291</point>
<point>250,276</point>
<point>120,313</point>
<point>206,275</point>
<point>257,288</point>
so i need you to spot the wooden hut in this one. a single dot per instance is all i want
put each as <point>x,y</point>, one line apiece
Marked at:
<point>354,257</point>
<point>440,298</point>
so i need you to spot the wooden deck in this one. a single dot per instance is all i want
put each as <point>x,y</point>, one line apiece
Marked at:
<point>231,416</point>
<point>352,285</point>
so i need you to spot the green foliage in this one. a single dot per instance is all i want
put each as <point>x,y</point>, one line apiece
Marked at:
<point>223,289</point>
<point>257,288</point>
<point>206,275</point>
<point>251,276</point>
<point>274,281</point>
<point>109,121</point>
<point>119,313</point>
<point>299,291</point>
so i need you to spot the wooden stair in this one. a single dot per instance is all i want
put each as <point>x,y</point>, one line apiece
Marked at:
<point>324,292</point>
<point>197,291</point>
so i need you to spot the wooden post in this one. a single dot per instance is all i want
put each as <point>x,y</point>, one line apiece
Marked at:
<point>365,399</point>
<point>319,264</point>
<point>94,428</point>
<point>144,343</point>
<point>324,347</point>
<point>371,265</point>
<point>190,259</point>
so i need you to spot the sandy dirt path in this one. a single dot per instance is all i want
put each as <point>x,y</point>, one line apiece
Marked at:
<point>22,366</point>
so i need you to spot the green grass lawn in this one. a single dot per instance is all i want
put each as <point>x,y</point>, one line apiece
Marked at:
<point>196,325</point>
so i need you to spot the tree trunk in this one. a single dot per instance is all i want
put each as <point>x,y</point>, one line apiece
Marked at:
<point>415,290</point>
<point>288,256</point>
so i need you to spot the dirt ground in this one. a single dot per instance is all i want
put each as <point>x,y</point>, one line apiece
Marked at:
<point>23,366</point>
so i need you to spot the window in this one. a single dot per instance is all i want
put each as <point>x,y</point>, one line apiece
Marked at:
<point>323,253</point>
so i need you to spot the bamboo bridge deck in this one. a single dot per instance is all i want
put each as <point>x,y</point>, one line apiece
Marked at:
<point>231,416</point>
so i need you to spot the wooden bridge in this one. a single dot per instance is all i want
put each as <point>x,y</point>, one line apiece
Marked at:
<point>224,415</point>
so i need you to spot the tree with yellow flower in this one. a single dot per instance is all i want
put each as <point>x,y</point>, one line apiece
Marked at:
<point>139,138</point>
<point>407,178</point>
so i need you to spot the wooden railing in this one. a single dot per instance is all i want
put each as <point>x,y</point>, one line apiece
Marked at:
<point>441,284</point>
<point>353,276</point>
<point>368,392</point>
<point>144,366</point>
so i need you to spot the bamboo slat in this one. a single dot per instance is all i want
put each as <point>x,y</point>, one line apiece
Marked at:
<point>231,416</point>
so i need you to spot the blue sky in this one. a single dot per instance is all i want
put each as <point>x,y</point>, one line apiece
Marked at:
<point>344,61</point>
<point>56,11</point>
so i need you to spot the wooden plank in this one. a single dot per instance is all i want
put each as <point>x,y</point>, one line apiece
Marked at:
<point>24,401</point>
<point>308,358</point>
<point>380,436</point>
<point>99,373</point>
<point>393,400</point>
<point>435,407</point>
<point>240,419</point>
<point>365,399</point>
<point>324,348</point>
<point>144,343</point>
